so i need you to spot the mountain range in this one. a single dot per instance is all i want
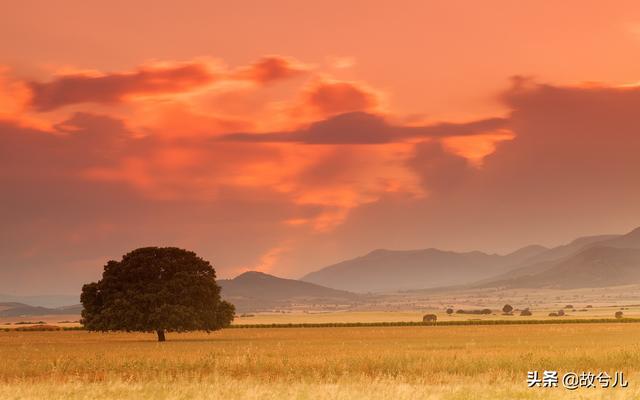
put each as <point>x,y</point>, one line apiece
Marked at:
<point>603,260</point>
<point>13,309</point>
<point>587,262</point>
<point>45,300</point>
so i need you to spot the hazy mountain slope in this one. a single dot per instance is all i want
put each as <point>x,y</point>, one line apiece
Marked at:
<point>258,291</point>
<point>630,240</point>
<point>595,266</point>
<point>392,270</point>
<point>524,254</point>
<point>547,259</point>
<point>50,301</point>
<point>13,309</point>
<point>556,253</point>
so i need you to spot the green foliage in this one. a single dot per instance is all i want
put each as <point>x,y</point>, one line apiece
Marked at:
<point>484,311</point>
<point>430,318</point>
<point>156,289</point>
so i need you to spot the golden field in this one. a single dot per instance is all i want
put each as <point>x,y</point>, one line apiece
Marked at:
<point>439,362</point>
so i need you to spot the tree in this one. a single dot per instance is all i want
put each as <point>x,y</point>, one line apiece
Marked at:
<point>507,309</point>
<point>526,312</point>
<point>449,311</point>
<point>161,289</point>
<point>430,318</point>
<point>560,313</point>
<point>619,314</point>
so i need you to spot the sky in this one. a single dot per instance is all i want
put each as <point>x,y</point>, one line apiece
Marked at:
<point>285,136</point>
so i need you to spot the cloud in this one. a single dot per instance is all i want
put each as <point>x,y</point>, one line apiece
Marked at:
<point>58,218</point>
<point>115,87</point>
<point>439,170</point>
<point>332,174</point>
<point>366,128</point>
<point>329,97</point>
<point>272,68</point>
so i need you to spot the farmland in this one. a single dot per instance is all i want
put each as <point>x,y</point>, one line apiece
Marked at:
<point>449,362</point>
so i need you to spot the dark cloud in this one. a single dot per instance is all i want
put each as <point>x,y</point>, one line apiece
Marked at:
<point>270,69</point>
<point>366,128</point>
<point>440,170</point>
<point>113,88</point>
<point>327,98</point>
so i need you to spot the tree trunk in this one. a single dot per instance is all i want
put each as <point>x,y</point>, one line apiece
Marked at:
<point>160,335</point>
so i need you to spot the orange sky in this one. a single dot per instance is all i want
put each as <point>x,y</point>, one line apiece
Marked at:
<point>283,136</point>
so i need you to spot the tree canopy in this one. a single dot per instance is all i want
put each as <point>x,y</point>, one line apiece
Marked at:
<point>156,289</point>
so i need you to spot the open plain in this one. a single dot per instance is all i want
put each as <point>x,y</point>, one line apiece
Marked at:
<point>431,362</point>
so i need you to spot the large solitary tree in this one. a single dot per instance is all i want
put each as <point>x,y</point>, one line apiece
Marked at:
<point>156,289</point>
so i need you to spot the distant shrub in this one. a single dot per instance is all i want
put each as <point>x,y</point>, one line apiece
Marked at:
<point>553,314</point>
<point>568,306</point>
<point>589,306</point>
<point>560,313</point>
<point>430,318</point>
<point>507,309</point>
<point>449,311</point>
<point>30,323</point>
<point>619,314</point>
<point>525,313</point>
<point>483,311</point>
<point>40,327</point>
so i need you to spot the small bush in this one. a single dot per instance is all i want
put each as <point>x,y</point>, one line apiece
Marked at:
<point>619,314</point>
<point>568,306</point>
<point>525,313</point>
<point>40,327</point>
<point>483,311</point>
<point>553,314</point>
<point>432,318</point>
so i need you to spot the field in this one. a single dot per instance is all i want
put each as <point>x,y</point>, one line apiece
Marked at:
<point>454,362</point>
<point>631,311</point>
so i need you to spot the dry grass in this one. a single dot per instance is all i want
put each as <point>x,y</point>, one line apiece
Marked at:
<point>462,362</point>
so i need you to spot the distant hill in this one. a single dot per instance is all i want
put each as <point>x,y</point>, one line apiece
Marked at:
<point>595,266</point>
<point>393,270</point>
<point>46,300</point>
<point>548,260</point>
<point>255,291</point>
<point>13,309</point>
<point>630,240</point>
